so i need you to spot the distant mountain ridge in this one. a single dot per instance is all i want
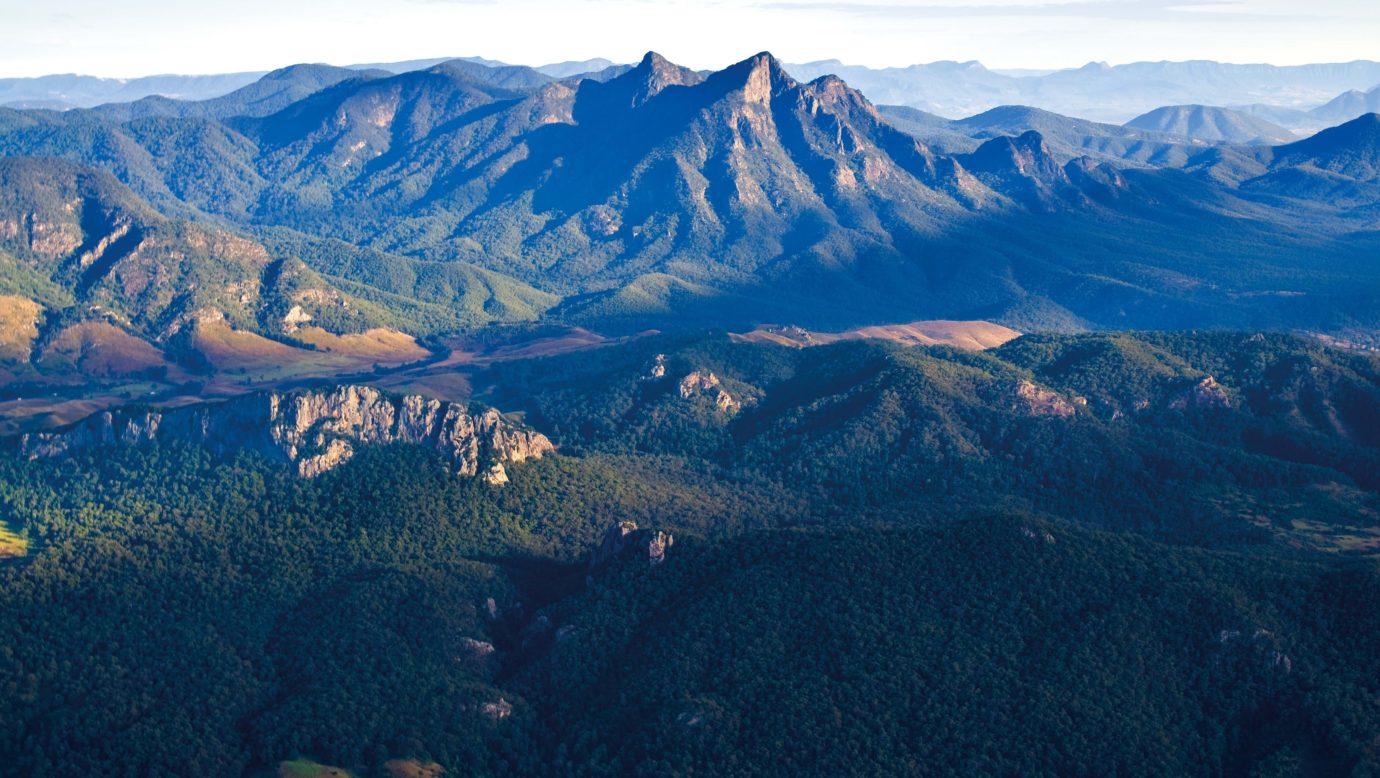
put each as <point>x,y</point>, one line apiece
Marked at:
<point>65,91</point>
<point>1107,93</point>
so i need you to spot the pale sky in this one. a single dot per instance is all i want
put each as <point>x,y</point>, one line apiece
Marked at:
<point>141,37</point>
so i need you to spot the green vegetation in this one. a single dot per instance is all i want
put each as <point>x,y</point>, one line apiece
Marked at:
<point>883,565</point>
<point>993,646</point>
<point>884,429</point>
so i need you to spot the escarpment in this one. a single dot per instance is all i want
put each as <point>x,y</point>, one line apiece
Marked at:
<point>314,430</point>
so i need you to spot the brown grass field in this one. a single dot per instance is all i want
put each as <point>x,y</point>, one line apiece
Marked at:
<point>384,346</point>
<point>100,350</point>
<point>18,328</point>
<point>413,768</point>
<point>971,335</point>
<point>92,367</point>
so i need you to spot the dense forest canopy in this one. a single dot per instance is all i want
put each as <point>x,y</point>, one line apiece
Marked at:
<point>1068,555</point>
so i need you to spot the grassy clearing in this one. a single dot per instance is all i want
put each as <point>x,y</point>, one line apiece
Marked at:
<point>1290,515</point>
<point>305,768</point>
<point>12,545</point>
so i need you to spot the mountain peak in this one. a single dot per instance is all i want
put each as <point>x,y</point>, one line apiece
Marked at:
<point>652,75</point>
<point>1025,156</point>
<point>1212,124</point>
<point>654,62</point>
<point>1363,131</point>
<point>759,76</point>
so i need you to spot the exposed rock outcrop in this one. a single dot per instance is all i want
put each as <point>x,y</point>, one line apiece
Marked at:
<point>498,710</point>
<point>704,382</point>
<point>1207,393</point>
<point>315,430</point>
<point>295,318</point>
<point>658,369</point>
<point>475,650</point>
<point>625,538</point>
<point>1031,399</point>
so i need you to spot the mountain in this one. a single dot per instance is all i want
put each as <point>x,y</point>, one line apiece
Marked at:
<point>1023,165</point>
<point>1070,137</point>
<point>1340,164</point>
<point>945,88</point>
<point>560,70</point>
<point>659,169</point>
<point>1348,105</point>
<point>154,94</point>
<point>1351,149</point>
<point>1212,124</point>
<point>515,77</point>
<point>849,418</point>
<point>77,235</point>
<point>658,196</point>
<point>1296,120</point>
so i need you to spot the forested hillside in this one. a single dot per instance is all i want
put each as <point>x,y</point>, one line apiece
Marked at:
<point>886,560</point>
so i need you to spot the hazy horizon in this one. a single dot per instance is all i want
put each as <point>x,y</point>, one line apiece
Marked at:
<point>156,37</point>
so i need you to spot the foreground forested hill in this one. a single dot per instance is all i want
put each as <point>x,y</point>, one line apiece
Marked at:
<point>886,560</point>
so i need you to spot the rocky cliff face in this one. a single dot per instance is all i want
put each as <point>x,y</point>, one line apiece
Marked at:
<point>315,430</point>
<point>625,538</point>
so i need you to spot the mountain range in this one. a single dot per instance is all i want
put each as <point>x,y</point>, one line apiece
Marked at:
<point>66,91</point>
<point>743,196</point>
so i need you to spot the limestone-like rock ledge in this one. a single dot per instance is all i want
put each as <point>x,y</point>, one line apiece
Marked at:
<point>314,430</point>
